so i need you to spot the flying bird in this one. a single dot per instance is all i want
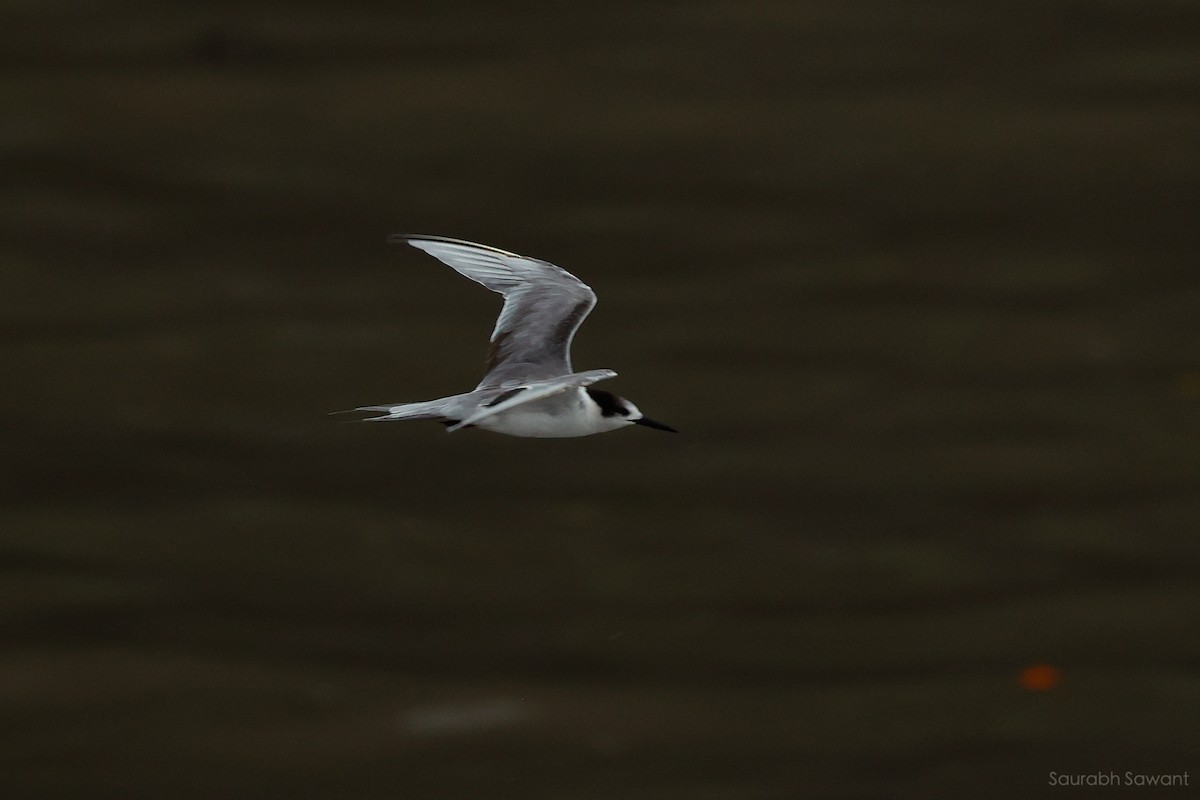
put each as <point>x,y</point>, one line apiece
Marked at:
<point>529,388</point>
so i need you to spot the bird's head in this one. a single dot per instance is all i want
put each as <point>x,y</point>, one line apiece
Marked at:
<point>622,412</point>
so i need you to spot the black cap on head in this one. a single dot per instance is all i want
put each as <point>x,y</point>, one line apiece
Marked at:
<point>613,406</point>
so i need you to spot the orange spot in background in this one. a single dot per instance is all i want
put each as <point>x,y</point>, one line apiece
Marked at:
<point>1040,677</point>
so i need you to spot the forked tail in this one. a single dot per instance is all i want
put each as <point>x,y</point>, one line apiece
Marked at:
<point>400,411</point>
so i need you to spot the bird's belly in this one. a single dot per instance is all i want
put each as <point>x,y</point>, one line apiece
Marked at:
<point>555,417</point>
<point>539,425</point>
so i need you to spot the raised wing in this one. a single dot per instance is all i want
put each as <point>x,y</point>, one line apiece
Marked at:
<point>535,390</point>
<point>543,307</point>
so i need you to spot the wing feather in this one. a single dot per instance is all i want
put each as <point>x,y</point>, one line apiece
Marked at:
<point>544,305</point>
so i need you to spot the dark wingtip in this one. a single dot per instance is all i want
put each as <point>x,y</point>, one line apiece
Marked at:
<point>408,238</point>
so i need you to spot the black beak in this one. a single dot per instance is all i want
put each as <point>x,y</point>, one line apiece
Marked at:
<point>658,426</point>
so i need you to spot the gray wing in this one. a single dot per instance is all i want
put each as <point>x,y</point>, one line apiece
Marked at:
<point>543,307</point>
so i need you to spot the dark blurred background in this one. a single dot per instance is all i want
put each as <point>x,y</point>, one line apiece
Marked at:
<point>917,281</point>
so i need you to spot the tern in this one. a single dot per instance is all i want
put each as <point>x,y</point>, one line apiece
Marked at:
<point>528,387</point>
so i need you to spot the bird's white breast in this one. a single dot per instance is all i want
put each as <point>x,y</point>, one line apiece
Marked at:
<point>571,413</point>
